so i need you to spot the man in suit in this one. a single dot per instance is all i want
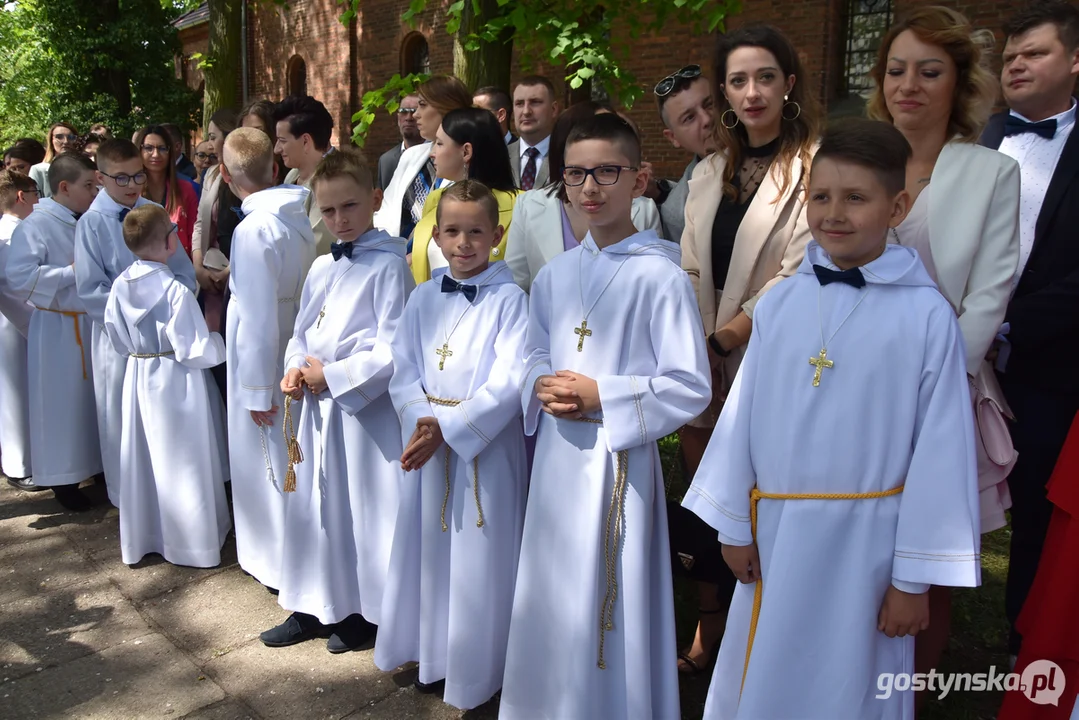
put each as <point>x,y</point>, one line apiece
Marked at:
<point>410,135</point>
<point>685,106</point>
<point>496,101</point>
<point>535,110</point>
<point>1038,360</point>
<point>184,166</point>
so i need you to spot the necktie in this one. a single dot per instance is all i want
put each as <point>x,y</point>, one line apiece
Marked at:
<point>449,285</point>
<point>528,174</point>
<point>1017,126</point>
<point>852,277</point>
<point>123,213</point>
<point>340,250</point>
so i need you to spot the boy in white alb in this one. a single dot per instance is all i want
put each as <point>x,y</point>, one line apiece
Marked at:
<point>458,360</point>
<point>844,487</point>
<point>272,249</point>
<point>172,463</point>
<point>339,522</point>
<point>40,269</point>
<point>100,257</point>
<point>18,195</point>
<point>592,632</point>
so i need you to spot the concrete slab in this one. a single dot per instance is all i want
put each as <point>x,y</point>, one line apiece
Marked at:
<point>39,565</point>
<point>94,531</point>
<point>153,575</point>
<point>55,627</point>
<point>302,681</point>
<point>225,710</point>
<point>140,679</point>
<point>216,615</point>
<point>25,516</point>
<point>406,703</point>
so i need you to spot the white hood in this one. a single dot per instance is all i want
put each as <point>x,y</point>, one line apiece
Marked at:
<point>288,204</point>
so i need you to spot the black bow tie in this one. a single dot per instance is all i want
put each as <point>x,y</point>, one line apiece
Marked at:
<point>449,285</point>
<point>340,250</point>
<point>123,213</point>
<point>1017,126</point>
<point>852,277</point>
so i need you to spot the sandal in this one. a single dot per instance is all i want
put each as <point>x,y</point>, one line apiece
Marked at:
<point>696,668</point>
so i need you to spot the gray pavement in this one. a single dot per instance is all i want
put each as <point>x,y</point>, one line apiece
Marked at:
<point>84,636</point>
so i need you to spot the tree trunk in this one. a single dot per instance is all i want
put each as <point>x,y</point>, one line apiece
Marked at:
<point>223,56</point>
<point>490,63</point>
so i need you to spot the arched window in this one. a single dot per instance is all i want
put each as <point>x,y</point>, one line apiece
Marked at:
<point>867,21</point>
<point>415,56</point>
<point>297,76</point>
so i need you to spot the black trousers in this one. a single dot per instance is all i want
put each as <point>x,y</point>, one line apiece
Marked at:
<point>1042,421</point>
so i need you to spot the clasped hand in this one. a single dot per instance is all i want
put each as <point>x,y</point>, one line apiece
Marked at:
<point>313,376</point>
<point>425,440</point>
<point>567,394</point>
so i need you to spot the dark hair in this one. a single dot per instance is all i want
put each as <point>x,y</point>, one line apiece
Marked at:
<point>796,137</point>
<point>264,111</point>
<point>680,86</point>
<point>490,157</point>
<point>67,167</point>
<point>225,119</point>
<point>1063,15</point>
<point>533,80</point>
<point>500,99</point>
<point>556,154</point>
<point>117,151</point>
<point>175,134</point>
<point>306,116</point>
<point>871,144</point>
<point>11,184</point>
<point>27,150</point>
<point>88,139</point>
<point>612,128</point>
<point>173,198</point>
<point>470,191</point>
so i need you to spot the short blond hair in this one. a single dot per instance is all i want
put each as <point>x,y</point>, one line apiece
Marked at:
<point>11,184</point>
<point>470,191</point>
<point>248,156</point>
<point>345,162</point>
<point>145,225</point>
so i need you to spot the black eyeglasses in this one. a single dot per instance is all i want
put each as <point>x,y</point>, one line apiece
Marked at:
<point>206,156</point>
<point>670,83</point>
<point>123,180</point>
<point>161,149</point>
<point>406,111</point>
<point>603,175</point>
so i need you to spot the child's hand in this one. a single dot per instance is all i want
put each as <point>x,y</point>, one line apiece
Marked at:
<point>314,376</point>
<point>744,562</point>
<point>425,441</point>
<point>558,400</point>
<point>264,418</point>
<point>902,613</point>
<point>584,389</point>
<point>292,384</point>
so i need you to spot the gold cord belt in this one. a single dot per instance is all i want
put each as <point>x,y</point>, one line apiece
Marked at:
<point>755,496</point>
<point>475,470</point>
<point>152,355</point>
<point>74,315</point>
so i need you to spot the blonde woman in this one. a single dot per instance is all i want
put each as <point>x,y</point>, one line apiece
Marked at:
<point>61,138</point>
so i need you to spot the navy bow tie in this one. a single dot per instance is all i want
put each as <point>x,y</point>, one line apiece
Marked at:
<point>852,277</point>
<point>340,250</point>
<point>239,212</point>
<point>449,285</point>
<point>123,213</point>
<point>1017,126</point>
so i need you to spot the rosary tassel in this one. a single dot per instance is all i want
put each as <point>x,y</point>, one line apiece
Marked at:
<point>295,455</point>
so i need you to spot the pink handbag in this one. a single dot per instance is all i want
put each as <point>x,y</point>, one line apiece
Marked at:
<point>993,443</point>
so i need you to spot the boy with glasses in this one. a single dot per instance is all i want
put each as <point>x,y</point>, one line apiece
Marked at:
<point>100,257</point>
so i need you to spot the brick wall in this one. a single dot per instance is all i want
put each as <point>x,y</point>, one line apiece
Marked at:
<point>344,62</point>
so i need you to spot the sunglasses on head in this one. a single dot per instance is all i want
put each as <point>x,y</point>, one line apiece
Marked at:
<point>406,111</point>
<point>675,80</point>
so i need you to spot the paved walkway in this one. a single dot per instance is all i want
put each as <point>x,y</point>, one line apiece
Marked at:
<point>84,636</point>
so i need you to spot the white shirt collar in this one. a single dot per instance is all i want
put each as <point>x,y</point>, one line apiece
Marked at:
<point>509,137</point>
<point>1064,119</point>
<point>543,146</point>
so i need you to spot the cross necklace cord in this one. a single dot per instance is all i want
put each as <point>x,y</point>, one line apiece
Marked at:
<point>821,361</point>
<point>444,351</point>
<point>582,331</point>
<point>326,293</point>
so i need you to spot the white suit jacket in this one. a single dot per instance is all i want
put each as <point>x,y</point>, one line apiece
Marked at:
<point>388,218</point>
<point>535,236</point>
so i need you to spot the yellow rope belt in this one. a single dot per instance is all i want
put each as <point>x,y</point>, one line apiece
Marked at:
<point>142,356</point>
<point>755,496</point>
<point>475,470</point>
<point>74,315</point>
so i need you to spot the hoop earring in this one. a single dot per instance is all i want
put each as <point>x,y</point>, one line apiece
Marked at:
<point>723,119</point>
<point>797,110</point>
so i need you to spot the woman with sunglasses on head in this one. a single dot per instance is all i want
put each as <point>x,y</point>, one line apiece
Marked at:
<point>163,186</point>
<point>546,223</point>
<point>745,231</point>
<point>61,138</point>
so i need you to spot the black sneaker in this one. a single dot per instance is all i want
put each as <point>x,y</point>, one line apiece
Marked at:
<point>429,688</point>
<point>25,484</point>
<point>71,498</point>
<point>298,628</point>
<point>350,634</point>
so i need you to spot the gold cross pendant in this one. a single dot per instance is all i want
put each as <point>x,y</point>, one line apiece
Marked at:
<point>820,362</point>
<point>321,314</point>
<point>582,332</point>
<point>443,353</point>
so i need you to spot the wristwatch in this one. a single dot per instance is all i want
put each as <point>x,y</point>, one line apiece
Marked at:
<point>716,347</point>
